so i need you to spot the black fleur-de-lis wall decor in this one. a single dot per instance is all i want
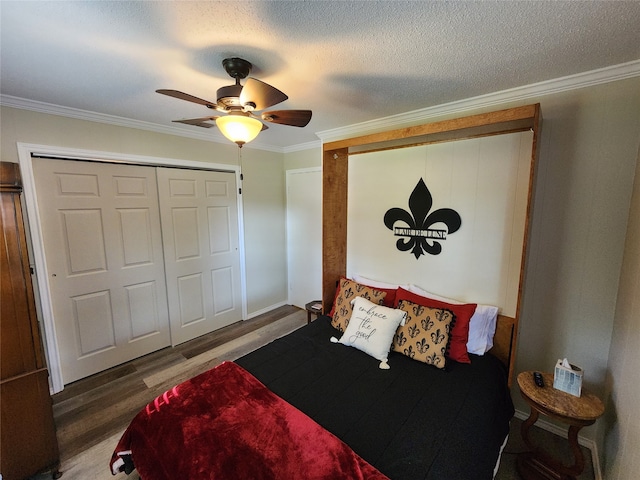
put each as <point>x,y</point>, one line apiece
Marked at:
<point>414,226</point>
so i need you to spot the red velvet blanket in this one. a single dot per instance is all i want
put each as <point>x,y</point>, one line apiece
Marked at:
<point>225,424</point>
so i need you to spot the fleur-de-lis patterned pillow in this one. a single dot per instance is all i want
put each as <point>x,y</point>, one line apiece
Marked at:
<point>425,334</point>
<point>347,291</point>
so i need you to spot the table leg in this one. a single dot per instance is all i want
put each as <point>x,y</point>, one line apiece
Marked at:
<point>578,464</point>
<point>526,425</point>
<point>537,464</point>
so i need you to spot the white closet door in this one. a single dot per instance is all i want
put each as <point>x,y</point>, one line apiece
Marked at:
<point>199,211</point>
<point>304,235</point>
<point>103,249</point>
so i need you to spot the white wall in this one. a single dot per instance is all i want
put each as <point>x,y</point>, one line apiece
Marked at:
<point>264,199</point>
<point>485,180</point>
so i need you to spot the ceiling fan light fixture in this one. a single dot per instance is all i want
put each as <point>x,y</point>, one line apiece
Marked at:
<point>239,128</point>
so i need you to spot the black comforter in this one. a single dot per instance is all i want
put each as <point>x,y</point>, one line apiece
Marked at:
<point>411,422</point>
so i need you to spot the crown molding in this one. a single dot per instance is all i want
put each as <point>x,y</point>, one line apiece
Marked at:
<point>548,87</point>
<point>52,109</point>
<point>303,146</point>
<point>570,82</point>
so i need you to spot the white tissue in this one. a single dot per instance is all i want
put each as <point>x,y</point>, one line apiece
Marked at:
<point>566,364</point>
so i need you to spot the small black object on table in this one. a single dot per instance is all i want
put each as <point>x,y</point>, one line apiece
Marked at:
<point>538,380</point>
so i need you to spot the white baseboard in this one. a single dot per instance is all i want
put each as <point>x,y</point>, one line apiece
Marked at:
<point>558,430</point>
<point>265,310</point>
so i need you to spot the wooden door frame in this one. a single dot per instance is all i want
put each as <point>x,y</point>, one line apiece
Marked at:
<point>25,153</point>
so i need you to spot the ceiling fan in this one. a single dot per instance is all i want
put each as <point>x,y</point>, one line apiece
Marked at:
<point>240,102</point>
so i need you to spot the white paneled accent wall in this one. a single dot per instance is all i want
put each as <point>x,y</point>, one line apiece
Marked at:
<point>484,180</point>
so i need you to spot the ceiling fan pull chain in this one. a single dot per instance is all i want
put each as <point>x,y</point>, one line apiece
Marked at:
<point>241,171</point>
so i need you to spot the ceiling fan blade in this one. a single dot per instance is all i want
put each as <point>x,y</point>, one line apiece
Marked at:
<point>294,118</point>
<point>187,97</point>
<point>198,122</point>
<point>261,94</point>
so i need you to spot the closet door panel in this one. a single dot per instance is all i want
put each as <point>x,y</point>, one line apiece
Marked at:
<point>103,249</point>
<point>199,213</point>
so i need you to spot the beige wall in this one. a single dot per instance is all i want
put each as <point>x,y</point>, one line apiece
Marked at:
<point>265,232</point>
<point>264,200</point>
<point>621,421</point>
<point>303,159</point>
<point>587,162</point>
<point>583,192</point>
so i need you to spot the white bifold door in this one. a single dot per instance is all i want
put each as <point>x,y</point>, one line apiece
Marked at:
<point>123,284</point>
<point>199,213</point>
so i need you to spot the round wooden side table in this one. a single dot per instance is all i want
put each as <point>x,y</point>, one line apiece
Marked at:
<point>577,412</point>
<point>314,308</point>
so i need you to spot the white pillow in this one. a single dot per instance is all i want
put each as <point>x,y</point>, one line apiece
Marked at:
<point>376,284</point>
<point>371,328</point>
<point>482,326</point>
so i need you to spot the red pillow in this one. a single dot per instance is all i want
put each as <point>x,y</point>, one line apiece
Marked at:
<point>460,332</point>
<point>390,299</point>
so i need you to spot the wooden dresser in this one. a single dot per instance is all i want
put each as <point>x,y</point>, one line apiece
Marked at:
<point>28,436</point>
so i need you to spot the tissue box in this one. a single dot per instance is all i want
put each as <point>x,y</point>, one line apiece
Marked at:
<point>568,379</point>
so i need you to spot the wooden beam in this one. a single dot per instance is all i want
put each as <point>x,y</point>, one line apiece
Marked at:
<point>520,117</point>
<point>503,339</point>
<point>537,127</point>
<point>335,167</point>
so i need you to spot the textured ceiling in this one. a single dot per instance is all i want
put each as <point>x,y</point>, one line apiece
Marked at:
<point>347,61</point>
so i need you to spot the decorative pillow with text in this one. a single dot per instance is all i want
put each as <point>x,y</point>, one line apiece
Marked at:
<point>371,328</point>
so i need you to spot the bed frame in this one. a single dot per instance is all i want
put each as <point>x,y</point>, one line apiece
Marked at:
<point>334,195</point>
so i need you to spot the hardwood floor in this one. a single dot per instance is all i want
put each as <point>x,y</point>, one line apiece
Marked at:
<point>95,408</point>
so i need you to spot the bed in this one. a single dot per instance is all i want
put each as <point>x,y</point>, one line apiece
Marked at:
<point>347,411</point>
<point>325,401</point>
<point>410,422</point>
